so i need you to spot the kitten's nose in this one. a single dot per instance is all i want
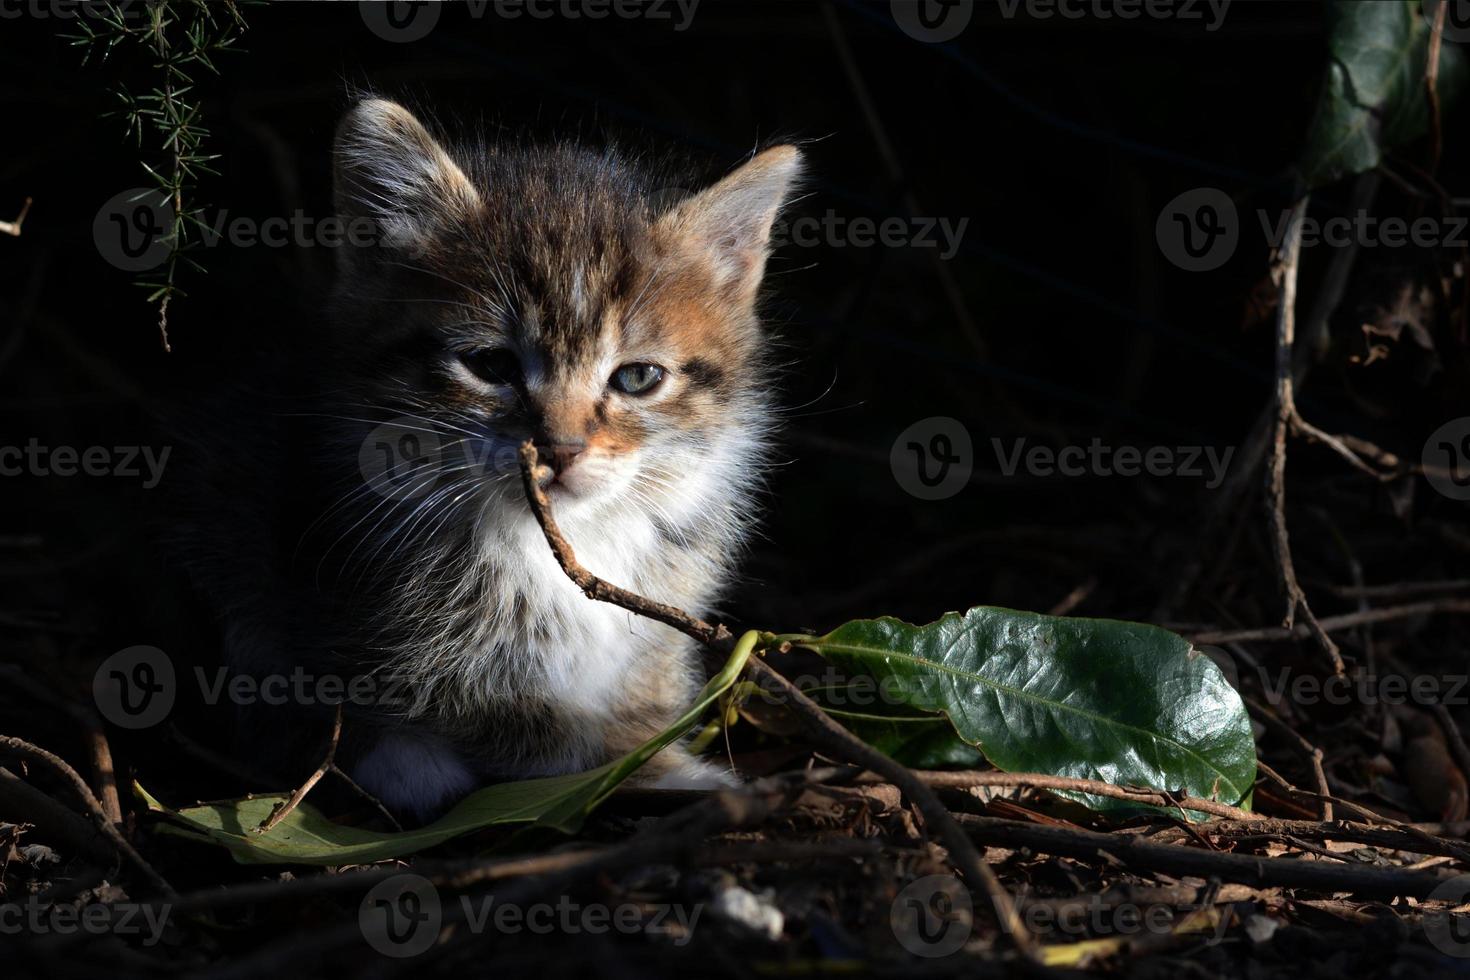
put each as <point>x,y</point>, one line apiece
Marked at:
<point>559,455</point>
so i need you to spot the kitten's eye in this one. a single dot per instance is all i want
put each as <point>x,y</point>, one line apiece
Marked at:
<point>495,365</point>
<point>637,379</point>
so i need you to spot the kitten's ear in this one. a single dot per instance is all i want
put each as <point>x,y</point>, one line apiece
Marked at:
<point>390,169</point>
<point>728,226</point>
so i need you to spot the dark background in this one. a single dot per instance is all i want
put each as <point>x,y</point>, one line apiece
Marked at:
<point>1060,140</point>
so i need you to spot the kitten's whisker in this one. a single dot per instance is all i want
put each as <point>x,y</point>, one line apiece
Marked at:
<point>492,303</point>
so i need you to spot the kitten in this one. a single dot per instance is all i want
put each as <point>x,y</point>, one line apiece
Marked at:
<point>514,293</point>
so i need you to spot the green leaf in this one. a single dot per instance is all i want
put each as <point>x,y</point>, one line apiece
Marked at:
<point>919,741</point>
<point>1373,98</point>
<point>306,836</point>
<point>1125,703</point>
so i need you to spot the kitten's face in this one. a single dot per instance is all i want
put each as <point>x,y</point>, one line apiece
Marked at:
<point>537,294</point>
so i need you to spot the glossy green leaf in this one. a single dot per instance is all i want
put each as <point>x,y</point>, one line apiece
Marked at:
<point>305,836</point>
<point>919,741</point>
<point>1373,97</point>
<point>1122,702</point>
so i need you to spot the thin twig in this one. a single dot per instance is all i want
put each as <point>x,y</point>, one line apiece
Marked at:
<point>23,803</point>
<point>281,810</point>
<point>1412,840</point>
<point>1333,624</point>
<point>105,773</point>
<point>94,808</point>
<point>716,636</point>
<point>1436,844</point>
<point>1286,416</point>
<point>98,748</point>
<point>1398,590</point>
<point>1037,780</point>
<point>820,726</point>
<point>1313,754</point>
<point>1173,859</point>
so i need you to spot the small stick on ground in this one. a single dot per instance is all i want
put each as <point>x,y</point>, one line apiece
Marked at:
<point>1175,860</point>
<point>13,227</point>
<point>106,775</point>
<point>280,810</point>
<point>818,725</point>
<point>1037,780</point>
<point>94,808</point>
<point>1313,754</point>
<point>1333,624</point>
<point>1286,423</point>
<point>103,771</point>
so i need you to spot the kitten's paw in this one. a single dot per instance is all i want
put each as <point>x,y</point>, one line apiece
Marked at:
<point>692,773</point>
<point>414,774</point>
